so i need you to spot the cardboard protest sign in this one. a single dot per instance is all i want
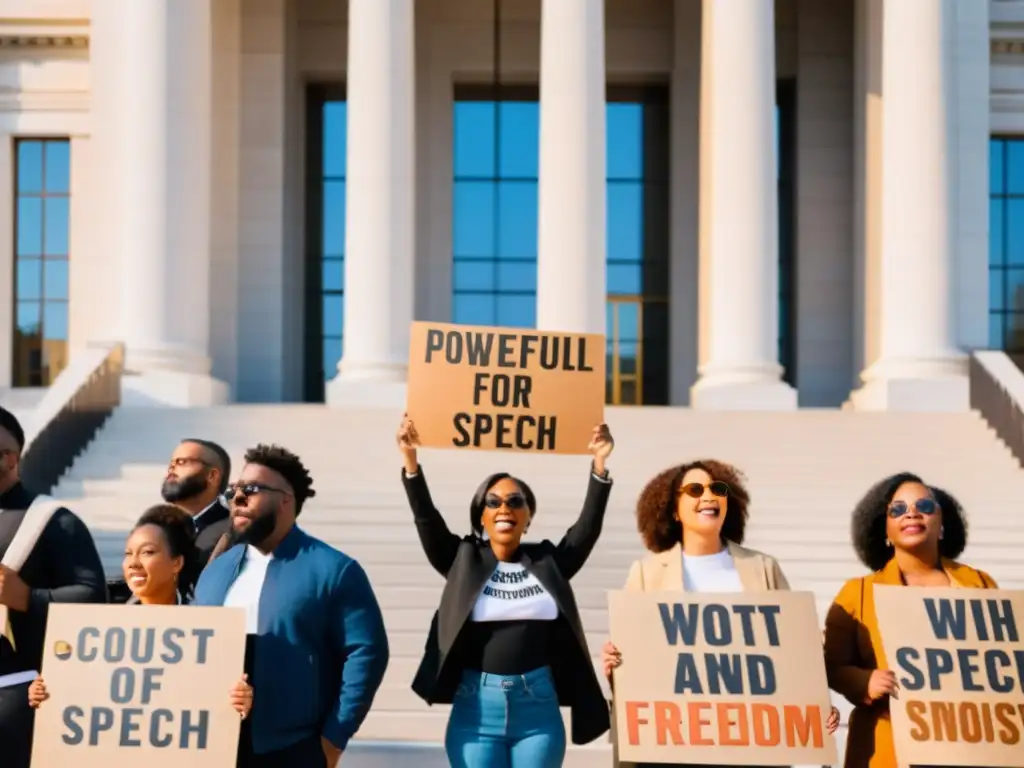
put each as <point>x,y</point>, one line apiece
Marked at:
<point>959,662</point>
<point>505,388</point>
<point>148,684</point>
<point>720,679</point>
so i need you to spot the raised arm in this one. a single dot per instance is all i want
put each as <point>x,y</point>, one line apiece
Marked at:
<point>439,544</point>
<point>843,660</point>
<point>362,644</point>
<point>74,564</point>
<point>575,547</point>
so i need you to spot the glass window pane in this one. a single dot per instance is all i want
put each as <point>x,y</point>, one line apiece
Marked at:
<point>995,330</point>
<point>334,218</point>
<point>55,320</point>
<point>624,279</point>
<point>625,225</point>
<point>517,311</point>
<point>625,145</point>
<point>474,218</point>
<point>29,273</point>
<point>517,276</point>
<point>629,321</point>
<point>29,317</point>
<point>996,284</point>
<point>335,128</point>
<point>520,139</point>
<point>473,309</point>
<point>55,279</point>
<point>1015,166</point>
<point>331,356</point>
<point>517,219</point>
<point>333,313</point>
<point>1014,330</point>
<point>30,167</point>
<point>996,157</point>
<point>474,139</point>
<point>30,227</point>
<point>55,359</point>
<point>55,237</point>
<point>474,275</point>
<point>1015,232</point>
<point>996,231</point>
<point>333,275</point>
<point>58,167</point>
<point>1015,290</point>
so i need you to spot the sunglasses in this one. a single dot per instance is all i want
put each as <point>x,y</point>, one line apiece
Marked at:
<point>696,490</point>
<point>250,489</point>
<point>514,502</point>
<point>926,507</point>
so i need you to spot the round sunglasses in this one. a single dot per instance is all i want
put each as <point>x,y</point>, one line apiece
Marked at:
<point>925,506</point>
<point>696,490</point>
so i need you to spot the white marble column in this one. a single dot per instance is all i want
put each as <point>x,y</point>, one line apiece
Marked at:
<point>380,200</point>
<point>919,366</point>
<point>151,73</point>
<point>739,249</point>
<point>571,292</point>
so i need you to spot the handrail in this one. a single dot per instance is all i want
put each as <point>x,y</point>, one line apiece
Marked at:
<point>76,405</point>
<point>997,393</point>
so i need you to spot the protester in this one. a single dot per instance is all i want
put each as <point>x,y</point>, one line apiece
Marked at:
<point>159,568</point>
<point>316,648</point>
<point>506,646</point>
<point>908,534</point>
<point>693,518</point>
<point>63,566</point>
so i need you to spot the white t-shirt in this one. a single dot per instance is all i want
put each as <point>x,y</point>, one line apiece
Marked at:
<point>245,591</point>
<point>514,594</point>
<point>711,573</point>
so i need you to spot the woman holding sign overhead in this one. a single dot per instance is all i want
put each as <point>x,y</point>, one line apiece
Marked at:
<point>908,533</point>
<point>692,518</point>
<point>506,646</point>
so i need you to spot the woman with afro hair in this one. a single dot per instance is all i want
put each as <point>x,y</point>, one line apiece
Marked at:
<point>909,534</point>
<point>692,519</point>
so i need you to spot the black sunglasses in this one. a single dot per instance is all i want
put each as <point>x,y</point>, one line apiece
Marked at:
<point>514,502</point>
<point>696,490</point>
<point>251,489</point>
<point>925,506</point>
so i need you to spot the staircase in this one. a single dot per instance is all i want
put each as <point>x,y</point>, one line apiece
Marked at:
<point>805,470</point>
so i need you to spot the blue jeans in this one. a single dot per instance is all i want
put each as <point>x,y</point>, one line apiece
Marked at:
<point>506,721</point>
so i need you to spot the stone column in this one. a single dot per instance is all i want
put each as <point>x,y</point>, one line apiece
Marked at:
<point>571,292</point>
<point>919,366</point>
<point>151,73</point>
<point>739,249</point>
<point>380,200</point>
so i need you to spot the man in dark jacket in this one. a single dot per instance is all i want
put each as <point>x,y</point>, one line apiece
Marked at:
<point>63,567</point>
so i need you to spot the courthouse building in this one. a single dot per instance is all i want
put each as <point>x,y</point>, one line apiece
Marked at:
<point>760,203</point>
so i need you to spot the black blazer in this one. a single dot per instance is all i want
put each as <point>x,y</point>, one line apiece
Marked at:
<point>210,526</point>
<point>467,563</point>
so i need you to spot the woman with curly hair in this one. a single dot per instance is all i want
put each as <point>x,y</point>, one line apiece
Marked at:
<point>908,533</point>
<point>692,518</point>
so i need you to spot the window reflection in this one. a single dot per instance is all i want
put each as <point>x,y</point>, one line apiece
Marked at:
<point>1006,245</point>
<point>325,230</point>
<point>41,250</point>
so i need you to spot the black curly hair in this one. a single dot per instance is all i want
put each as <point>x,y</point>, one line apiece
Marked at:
<point>287,465</point>
<point>867,530</point>
<point>657,519</point>
<point>178,531</point>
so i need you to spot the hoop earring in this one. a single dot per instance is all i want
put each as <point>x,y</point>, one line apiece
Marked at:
<point>888,543</point>
<point>942,532</point>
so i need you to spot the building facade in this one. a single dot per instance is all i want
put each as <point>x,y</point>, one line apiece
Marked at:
<point>762,204</point>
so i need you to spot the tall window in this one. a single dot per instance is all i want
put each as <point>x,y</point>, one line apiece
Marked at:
<point>1006,245</point>
<point>495,206</point>
<point>327,123</point>
<point>785,146</point>
<point>42,198</point>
